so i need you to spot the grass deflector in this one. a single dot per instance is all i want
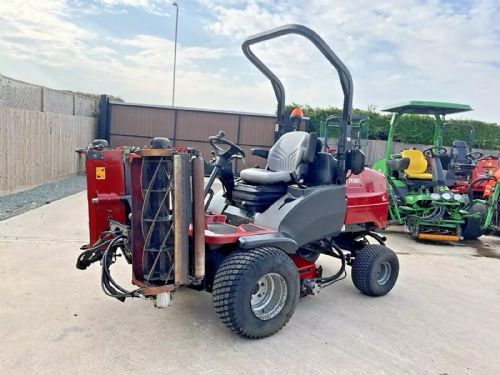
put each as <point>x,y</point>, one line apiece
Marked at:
<point>253,244</point>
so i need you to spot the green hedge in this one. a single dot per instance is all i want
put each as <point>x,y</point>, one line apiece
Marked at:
<point>414,128</point>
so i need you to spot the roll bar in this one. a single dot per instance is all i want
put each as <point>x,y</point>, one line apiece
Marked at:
<point>343,72</point>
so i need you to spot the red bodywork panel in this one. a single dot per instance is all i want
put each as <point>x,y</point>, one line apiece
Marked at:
<point>306,268</point>
<point>460,186</point>
<point>218,232</point>
<point>484,168</point>
<point>105,187</point>
<point>367,199</point>
<point>488,189</point>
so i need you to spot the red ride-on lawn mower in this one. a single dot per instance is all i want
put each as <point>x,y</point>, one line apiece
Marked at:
<point>253,244</point>
<point>485,167</point>
<point>468,165</point>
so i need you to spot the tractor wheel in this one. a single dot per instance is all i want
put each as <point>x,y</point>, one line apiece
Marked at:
<point>375,270</point>
<point>471,230</point>
<point>255,292</point>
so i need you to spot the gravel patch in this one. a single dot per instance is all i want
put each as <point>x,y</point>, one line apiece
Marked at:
<point>18,203</point>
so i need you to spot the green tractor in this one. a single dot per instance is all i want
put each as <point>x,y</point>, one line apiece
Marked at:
<point>418,184</point>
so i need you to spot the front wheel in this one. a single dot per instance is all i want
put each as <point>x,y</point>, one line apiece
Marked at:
<point>375,270</point>
<point>255,292</point>
<point>472,230</point>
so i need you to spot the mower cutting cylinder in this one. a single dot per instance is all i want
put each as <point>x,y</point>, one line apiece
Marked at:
<point>156,218</point>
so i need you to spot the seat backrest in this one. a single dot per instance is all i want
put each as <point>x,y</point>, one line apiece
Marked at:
<point>418,163</point>
<point>292,153</point>
<point>322,170</point>
<point>459,151</point>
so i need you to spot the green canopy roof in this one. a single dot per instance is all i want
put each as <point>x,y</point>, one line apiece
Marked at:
<point>427,108</point>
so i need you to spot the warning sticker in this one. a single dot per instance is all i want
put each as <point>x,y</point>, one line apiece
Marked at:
<point>100,173</point>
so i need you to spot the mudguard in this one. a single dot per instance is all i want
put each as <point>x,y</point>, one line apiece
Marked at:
<point>279,240</point>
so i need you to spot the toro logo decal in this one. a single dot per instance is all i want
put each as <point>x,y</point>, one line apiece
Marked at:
<point>354,180</point>
<point>100,173</point>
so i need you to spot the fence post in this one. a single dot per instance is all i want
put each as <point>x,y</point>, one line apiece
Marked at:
<point>103,119</point>
<point>42,102</point>
<point>175,126</point>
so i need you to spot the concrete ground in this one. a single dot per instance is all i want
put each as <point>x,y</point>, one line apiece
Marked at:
<point>443,316</point>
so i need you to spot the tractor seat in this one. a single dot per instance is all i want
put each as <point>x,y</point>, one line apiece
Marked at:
<point>459,151</point>
<point>460,164</point>
<point>418,165</point>
<point>287,160</point>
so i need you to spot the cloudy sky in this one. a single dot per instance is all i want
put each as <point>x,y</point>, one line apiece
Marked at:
<point>396,50</point>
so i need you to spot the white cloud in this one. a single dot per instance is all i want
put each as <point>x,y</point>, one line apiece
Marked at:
<point>157,7</point>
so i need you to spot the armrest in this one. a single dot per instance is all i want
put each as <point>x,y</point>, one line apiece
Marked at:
<point>260,152</point>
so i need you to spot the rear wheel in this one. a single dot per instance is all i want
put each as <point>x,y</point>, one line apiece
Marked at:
<point>471,230</point>
<point>375,270</point>
<point>255,292</point>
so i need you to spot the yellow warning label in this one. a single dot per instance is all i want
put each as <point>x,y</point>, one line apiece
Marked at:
<point>100,173</point>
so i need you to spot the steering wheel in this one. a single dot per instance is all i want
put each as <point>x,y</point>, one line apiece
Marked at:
<point>474,156</point>
<point>233,149</point>
<point>431,151</point>
<point>488,157</point>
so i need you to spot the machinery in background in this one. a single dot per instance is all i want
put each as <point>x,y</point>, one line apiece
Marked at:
<point>488,205</point>
<point>467,165</point>
<point>418,183</point>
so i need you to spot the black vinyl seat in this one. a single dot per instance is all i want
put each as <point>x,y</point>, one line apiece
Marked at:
<point>459,151</point>
<point>460,164</point>
<point>287,161</point>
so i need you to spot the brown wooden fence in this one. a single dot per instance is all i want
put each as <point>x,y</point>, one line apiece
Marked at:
<point>38,147</point>
<point>133,124</point>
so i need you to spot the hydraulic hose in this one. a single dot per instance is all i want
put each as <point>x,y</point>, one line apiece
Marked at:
<point>108,284</point>
<point>337,253</point>
<point>437,213</point>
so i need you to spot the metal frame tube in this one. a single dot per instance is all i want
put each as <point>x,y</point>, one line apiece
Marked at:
<point>197,168</point>
<point>182,218</point>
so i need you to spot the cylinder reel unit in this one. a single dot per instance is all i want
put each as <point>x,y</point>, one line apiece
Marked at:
<point>167,202</point>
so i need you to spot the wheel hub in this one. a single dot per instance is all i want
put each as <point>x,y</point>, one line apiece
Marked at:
<point>384,273</point>
<point>268,296</point>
